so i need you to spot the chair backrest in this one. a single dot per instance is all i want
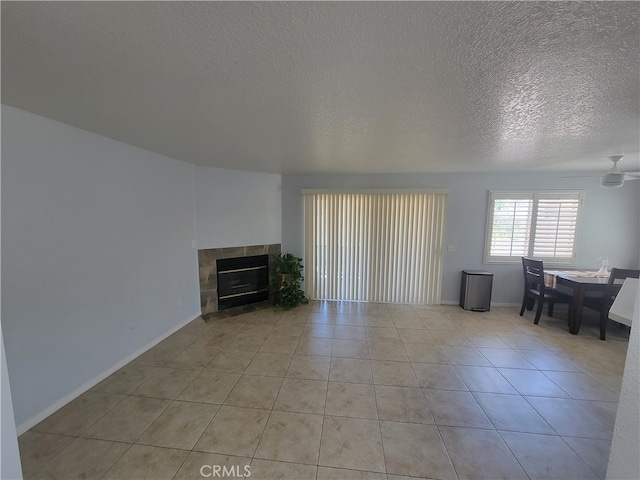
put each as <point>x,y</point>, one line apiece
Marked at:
<point>533,274</point>
<point>616,278</point>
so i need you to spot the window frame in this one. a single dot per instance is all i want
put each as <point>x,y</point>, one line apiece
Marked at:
<point>535,196</point>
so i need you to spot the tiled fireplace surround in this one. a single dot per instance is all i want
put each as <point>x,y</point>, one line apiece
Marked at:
<point>209,273</point>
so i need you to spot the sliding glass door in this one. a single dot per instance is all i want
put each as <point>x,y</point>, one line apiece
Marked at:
<point>374,247</point>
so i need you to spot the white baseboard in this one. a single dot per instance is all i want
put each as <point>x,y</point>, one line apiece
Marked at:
<point>27,424</point>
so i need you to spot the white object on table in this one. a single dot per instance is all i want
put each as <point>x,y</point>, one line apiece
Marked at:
<point>622,309</point>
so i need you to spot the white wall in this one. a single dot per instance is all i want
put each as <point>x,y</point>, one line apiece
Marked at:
<point>236,208</point>
<point>96,250</point>
<point>609,222</point>
<point>624,462</point>
<point>10,467</point>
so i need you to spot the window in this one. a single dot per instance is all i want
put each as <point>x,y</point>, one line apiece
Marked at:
<point>535,224</point>
<point>374,247</point>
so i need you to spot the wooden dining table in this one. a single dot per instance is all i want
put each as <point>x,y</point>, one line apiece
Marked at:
<point>578,284</point>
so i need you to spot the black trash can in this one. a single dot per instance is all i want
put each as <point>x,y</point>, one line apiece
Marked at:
<point>475,290</point>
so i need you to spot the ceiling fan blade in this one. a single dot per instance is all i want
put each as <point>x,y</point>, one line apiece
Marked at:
<point>613,177</point>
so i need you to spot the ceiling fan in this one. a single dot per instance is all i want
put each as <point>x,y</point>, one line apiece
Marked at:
<point>614,178</point>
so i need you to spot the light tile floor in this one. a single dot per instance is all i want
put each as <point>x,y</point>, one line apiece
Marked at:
<point>348,391</point>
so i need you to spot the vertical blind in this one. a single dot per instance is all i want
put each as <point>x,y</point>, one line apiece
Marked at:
<point>375,247</point>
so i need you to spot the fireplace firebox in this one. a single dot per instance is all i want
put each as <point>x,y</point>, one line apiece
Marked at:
<point>242,280</point>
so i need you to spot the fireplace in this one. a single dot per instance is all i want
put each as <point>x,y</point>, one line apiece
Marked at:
<point>208,269</point>
<point>242,280</point>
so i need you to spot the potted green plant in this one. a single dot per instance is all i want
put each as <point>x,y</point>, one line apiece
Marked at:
<point>286,279</point>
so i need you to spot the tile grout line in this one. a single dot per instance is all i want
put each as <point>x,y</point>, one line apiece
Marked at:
<point>375,397</point>
<point>271,410</point>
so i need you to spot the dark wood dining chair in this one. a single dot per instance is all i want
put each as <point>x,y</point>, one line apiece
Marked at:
<point>536,290</point>
<point>603,303</point>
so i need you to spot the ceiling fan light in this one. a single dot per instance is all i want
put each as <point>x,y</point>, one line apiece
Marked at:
<point>612,180</point>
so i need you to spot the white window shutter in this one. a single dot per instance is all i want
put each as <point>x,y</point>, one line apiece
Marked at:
<point>535,224</point>
<point>555,228</point>
<point>511,227</point>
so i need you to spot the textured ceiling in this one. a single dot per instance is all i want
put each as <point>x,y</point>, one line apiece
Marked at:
<point>337,87</point>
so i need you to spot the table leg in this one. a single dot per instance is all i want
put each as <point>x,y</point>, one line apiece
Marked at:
<point>575,317</point>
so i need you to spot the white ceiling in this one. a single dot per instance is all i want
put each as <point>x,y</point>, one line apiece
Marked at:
<point>337,87</point>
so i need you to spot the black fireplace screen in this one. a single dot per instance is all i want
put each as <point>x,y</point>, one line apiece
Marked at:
<point>242,280</point>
